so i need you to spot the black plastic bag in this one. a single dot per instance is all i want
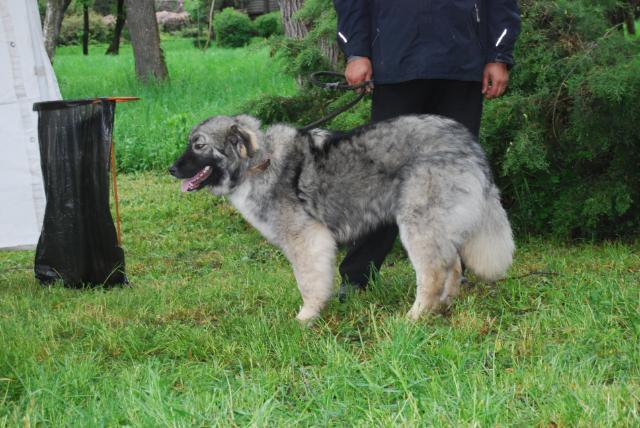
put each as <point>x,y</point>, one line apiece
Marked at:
<point>78,242</point>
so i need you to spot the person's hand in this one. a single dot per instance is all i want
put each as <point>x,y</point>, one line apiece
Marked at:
<point>494,80</point>
<point>358,70</point>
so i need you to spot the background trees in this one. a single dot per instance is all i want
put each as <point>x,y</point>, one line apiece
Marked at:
<point>145,39</point>
<point>121,16</point>
<point>144,32</point>
<point>293,27</point>
<point>54,14</point>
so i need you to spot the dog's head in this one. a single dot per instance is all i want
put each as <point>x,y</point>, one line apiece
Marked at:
<point>220,151</point>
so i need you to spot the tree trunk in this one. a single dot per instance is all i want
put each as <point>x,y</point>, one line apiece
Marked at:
<point>297,29</point>
<point>210,32</point>
<point>114,47</point>
<point>630,16</point>
<point>85,30</point>
<point>52,23</point>
<point>293,28</point>
<point>331,51</point>
<point>630,23</point>
<point>145,39</point>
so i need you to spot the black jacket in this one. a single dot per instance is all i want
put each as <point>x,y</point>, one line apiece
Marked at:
<point>428,39</point>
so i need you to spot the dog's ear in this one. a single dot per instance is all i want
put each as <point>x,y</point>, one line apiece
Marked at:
<point>248,122</point>
<point>244,141</point>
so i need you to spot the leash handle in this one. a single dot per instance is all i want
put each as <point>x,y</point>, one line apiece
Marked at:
<point>335,86</point>
<point>342,86</point>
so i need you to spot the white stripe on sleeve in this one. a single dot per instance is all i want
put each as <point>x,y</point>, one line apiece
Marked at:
<point>504,33</point>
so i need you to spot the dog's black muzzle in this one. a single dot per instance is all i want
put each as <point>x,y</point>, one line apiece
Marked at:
<point>187,165</point>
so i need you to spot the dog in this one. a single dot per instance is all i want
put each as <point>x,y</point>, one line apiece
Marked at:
<point>307,192</point>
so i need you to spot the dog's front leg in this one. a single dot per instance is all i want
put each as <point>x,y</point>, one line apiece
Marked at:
<point>312,253</point>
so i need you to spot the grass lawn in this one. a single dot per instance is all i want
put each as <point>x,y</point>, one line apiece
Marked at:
<point>150,133</point>
<point>205,334</point>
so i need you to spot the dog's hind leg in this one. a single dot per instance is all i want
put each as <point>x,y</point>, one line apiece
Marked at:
<point>437,267</point>
<point>312,252</point>
<point>452,283</point>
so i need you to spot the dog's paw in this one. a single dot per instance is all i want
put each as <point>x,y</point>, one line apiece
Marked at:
<point>419,310</point>
<point>414,313</point>
<point>306,317</point>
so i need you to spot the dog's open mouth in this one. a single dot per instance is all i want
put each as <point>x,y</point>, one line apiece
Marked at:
<point>195,182</point>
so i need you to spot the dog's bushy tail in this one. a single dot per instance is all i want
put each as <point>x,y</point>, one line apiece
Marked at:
<point>488,252</point>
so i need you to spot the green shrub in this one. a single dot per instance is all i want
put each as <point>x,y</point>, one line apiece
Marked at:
<point>564,140</point>
<point>300,58</point>
<point>303,57</point>
<point>232,28</point>
<point>269,24</point>
<point>73,27</point>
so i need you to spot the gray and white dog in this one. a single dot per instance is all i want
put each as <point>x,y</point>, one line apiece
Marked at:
<point>307,192</point>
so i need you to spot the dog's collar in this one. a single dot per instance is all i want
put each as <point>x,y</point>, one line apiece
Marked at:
<point>260,167</point>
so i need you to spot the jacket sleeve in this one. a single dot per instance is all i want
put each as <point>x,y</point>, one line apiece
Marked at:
<point>503,22</point>
<point>354,21</point>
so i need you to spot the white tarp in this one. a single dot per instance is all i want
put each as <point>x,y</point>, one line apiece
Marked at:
<point>26,77</point>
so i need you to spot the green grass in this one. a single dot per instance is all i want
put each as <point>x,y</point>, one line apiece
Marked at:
<point>150,133</point>
<point>205,335</point>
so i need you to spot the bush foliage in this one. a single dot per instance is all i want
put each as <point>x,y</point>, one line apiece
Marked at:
<point>300,58</point>
<point>563,141</point>
<point>269,24</point>
<point>73,27</point>
<point>233,29</point>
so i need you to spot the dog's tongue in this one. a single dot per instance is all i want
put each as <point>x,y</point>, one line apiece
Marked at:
<point>193,183</point>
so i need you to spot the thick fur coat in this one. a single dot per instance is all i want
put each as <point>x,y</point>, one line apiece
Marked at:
<point>308,192</point>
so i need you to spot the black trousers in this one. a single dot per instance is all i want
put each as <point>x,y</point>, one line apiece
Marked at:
<point>459,100</point>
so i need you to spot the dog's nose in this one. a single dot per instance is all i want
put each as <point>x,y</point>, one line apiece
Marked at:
<point>173,170</point>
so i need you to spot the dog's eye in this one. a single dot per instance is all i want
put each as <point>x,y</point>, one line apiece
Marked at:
<point>199,146</point>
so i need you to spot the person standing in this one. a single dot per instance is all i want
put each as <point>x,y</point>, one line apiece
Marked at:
<point>425,57</point>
